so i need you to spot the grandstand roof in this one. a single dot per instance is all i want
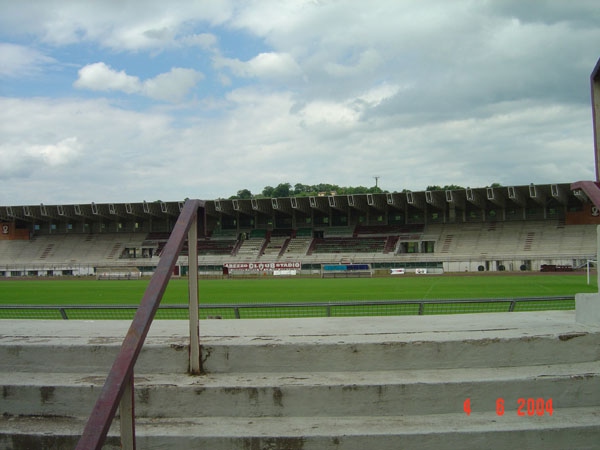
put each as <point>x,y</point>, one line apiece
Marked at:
<point>591,189</point>
<point>482,198</point>
<point>93,211</point>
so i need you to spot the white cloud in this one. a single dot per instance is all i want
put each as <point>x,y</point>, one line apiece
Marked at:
<point>321,112</point>
<point>378,94</point>
<point>23,159</point>
<point>429,92</point>
<point>367,61</point>
<point>273,65</point>
<point>172,86</point>
<point>121,155</point>
<point>264,65</point>
<point>270,17</point>
<point>133,25</point>
<point>17,60</point>
<point>100,77</point>
<point>74,150</point>
<point>57,154</point>
<point>347,113</point>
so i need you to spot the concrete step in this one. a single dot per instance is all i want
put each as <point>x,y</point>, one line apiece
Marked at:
<point>376,393</point>
<point>400,352</point>
<point>572,428</point>
<point>338,383</point>
<point>87,347</point>
<point>323,345</point>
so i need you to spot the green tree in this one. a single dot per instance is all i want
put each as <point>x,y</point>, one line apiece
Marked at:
<point>282,190</point>
<point>301,189</point>
<point>448,187</point>
<point>375,190</point>
<point>244,194</point>
<point>268,191</point>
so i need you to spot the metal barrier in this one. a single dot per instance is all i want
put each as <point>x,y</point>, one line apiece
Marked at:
<point>294,310</point>
<point>118,388</point>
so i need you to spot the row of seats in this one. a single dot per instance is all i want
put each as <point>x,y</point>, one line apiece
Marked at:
<point>475,240</point>
<point>348,245</point>
<point>513,238</point>
<point>69,248</point>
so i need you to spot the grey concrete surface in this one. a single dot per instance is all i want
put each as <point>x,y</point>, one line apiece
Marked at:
<point>332,329</point>
<point>311,394</point>
<point>255,345</point>
<point>573,429</point>
<point>334,383</point>
<point>588,309</point>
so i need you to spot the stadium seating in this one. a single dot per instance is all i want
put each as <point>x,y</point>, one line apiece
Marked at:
<point>457,246</point>
<point>275,247</point>
<point>298,247</point>
<point>250,249</point>
<point>523,238</point>
<point>69,248</point>
<point>349,245</point>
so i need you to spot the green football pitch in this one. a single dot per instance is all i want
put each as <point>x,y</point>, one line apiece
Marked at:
<point>296,290</point>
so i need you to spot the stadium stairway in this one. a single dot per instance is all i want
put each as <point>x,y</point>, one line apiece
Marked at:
<point>426,382</point>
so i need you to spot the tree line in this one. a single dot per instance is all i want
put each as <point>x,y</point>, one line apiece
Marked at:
<point>306,190</point>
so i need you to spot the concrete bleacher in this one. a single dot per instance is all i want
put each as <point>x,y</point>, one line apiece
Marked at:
<point>408,231</point>
<point>275,247</point>
<point>221,244</point>
<point>539,241</point>
<point>297,247</point>
<point>250,249</point>
<point>338,232</point>
<point>542,241</point>
<point>314,384</point>
<point>216,247</point>
<point>342,245</point>
<point>69,248</point>
<point>523,238</point>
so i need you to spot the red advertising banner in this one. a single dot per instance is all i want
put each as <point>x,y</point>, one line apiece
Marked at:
<point>589,214</point>
<point>8,231</point>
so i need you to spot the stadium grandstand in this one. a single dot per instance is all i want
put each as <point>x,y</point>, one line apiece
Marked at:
<point>514,228</point>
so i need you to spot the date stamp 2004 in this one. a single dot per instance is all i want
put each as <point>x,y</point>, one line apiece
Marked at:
<point>525,407</point>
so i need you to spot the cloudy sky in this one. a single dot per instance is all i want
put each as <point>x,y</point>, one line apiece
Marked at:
<point>131,100</point>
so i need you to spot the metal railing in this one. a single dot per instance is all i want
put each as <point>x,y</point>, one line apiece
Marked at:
<point>118,390</point>
<point>294,310</point>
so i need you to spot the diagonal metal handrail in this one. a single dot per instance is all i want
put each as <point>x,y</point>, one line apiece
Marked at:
<point>120,377</point>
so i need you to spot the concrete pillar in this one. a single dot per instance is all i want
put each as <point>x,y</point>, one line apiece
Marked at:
<point>587,306</point>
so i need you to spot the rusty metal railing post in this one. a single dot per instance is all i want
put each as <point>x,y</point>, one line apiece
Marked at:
<point>120,377</point>
<point>193,298</point>
<point>127,416</point>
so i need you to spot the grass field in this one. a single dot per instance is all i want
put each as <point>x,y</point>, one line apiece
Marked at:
<point>295,290</point>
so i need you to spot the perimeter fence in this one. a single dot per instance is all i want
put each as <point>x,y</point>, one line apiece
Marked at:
<point>294,310</point>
